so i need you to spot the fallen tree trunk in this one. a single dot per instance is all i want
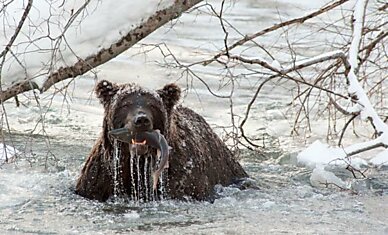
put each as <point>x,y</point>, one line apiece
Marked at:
<point>84,65</point>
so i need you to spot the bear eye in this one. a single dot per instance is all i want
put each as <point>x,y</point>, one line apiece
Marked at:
<point>126,105</point>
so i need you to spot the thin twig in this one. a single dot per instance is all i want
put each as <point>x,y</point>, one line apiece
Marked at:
<point>275,27</point>
<point>344,129</point>
<point>17,30</point>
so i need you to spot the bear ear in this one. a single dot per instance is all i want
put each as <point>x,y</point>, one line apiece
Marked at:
<point>105,90</point>
<point>170,93</point>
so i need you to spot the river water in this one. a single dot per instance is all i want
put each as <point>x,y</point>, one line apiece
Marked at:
<point>36,191</point>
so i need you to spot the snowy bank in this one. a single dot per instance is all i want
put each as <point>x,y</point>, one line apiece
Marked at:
<point>58,33</point>
<point>318,155</point>
<point>322,154</point>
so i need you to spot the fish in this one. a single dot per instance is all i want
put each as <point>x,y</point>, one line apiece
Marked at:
<point>151,138</point>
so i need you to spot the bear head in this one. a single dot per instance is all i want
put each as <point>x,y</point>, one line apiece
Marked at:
<point>136,108</point>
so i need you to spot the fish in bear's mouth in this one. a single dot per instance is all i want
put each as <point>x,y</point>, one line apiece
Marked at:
<point>147,138</point>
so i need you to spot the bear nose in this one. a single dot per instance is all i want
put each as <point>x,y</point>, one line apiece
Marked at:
<point>141,120</point>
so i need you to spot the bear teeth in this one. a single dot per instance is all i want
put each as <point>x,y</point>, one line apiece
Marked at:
<point>139,143</point>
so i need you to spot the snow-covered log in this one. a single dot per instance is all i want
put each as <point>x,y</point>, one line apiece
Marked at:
<point>111,40</point>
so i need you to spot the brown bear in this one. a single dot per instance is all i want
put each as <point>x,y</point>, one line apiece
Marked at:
<point>198,159</point>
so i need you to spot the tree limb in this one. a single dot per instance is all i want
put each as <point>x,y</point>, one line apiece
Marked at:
<point>275,27</point>
<point>364,146</point>
<point>155,21</point>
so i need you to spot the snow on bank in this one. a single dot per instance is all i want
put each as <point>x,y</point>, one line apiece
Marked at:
<point>319,155</point>
<point>380,159</point>
<point>322,154</point>
<point>40,47</point>
<point>7,152</point>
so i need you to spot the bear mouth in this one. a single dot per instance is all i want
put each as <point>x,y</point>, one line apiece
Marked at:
<point>139,143</point>
<point>138,147</point>
<point>134,142</point>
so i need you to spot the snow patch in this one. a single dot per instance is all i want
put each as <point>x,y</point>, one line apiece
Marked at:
<point>7,152</point>
<point>276,65</point>
<point>319,153</point>
<point>380,159</point>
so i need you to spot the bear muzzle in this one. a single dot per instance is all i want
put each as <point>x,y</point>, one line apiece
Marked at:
<point>140,141</point>
<point>142,122</point>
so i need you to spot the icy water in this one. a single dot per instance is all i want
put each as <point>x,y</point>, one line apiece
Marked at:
<point>36,191</point>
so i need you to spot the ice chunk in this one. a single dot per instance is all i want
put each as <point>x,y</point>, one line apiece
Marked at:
<point>322,178</point>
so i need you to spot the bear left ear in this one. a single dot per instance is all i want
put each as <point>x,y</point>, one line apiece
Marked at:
<point>170,93</point>
<point>105,90</point>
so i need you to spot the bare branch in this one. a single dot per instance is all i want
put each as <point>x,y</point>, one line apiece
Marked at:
<point>365,146</point>
<point>275,27</point>
<point>241,127</point>
<point>298,65</point>
<point>369,48</point>
<point>17,30</point>
<point>343,110</point>
<point>344,129</point>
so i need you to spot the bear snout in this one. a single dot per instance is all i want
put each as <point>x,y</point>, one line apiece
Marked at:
<point>142,122</point>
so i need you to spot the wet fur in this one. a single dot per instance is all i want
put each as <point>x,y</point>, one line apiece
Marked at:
<point>198,159</point>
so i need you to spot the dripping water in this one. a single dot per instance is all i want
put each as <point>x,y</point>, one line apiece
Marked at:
<point>138,177</point>
<point>162,186</point>
<point>142,168</point>
<point>152,169</point>
<point>146,178</point>
<point>133,152</point>
<point>117,171</point>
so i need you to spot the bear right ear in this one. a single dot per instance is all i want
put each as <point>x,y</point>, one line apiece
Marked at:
<point>105,90</point>
<point>170,93</point>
